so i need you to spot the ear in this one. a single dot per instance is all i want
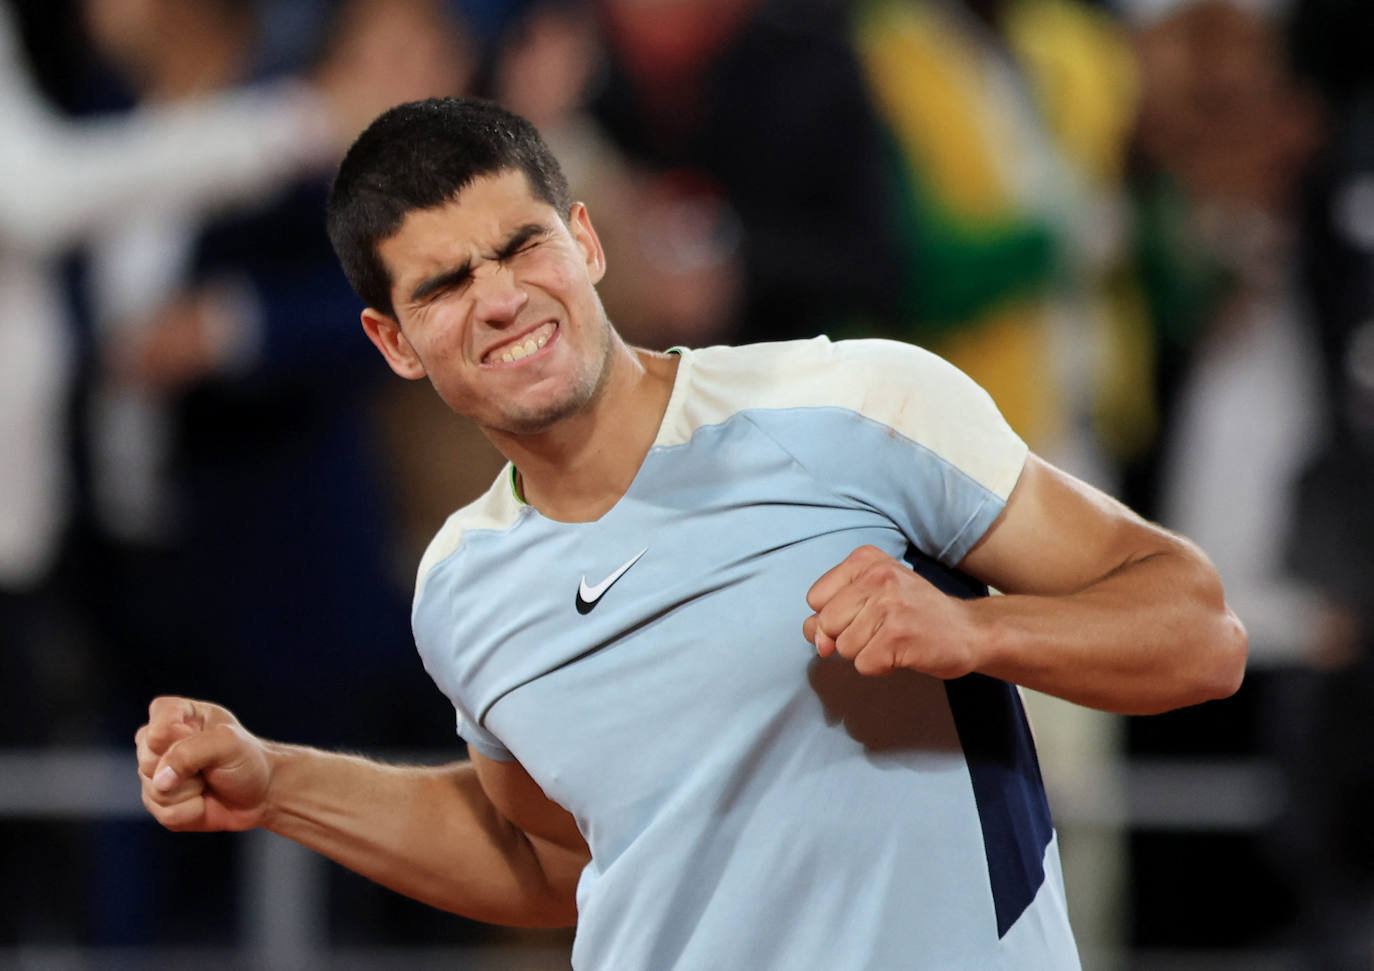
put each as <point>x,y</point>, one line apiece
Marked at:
<point>580,225</point>
<point>385,333</point>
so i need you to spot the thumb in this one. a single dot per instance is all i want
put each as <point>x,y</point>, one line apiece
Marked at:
<point>197,753</point>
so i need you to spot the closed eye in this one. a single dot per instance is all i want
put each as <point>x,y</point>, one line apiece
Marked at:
<point>448,281</point>
<point>522,240</point>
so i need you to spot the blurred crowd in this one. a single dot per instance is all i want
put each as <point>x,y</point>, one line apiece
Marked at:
<point>1146,226</point>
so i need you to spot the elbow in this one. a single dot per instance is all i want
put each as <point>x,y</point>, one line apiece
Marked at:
<point>551,914</point>
<point>1228,649</point>
<point>1222,645</point>
<point>1220,652</point>
<point>1214,665</point>
<point>540,908</point>
<point>1214,670</point>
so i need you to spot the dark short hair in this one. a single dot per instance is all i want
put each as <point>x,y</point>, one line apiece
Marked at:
<point>421,155</point>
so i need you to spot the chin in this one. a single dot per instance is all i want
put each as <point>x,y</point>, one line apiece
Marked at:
<point>547,404</point>
<point>537,420</point>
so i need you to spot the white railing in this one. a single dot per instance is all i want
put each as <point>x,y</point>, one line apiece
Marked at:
<point>283,898</point>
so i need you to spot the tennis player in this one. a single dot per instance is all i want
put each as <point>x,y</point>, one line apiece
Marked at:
<point>716,637</point>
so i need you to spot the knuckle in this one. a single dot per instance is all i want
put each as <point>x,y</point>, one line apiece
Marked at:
<point>152,797</point>
<point>225,734</point>
<point>877,573</point>
<point>873,663</point>
<point>159,811</point>
<point>161,706</point>
<point>178,818</point>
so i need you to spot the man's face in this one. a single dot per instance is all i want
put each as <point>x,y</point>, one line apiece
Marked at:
<point>495,302</point>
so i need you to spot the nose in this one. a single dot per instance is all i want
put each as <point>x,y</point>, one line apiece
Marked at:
<point>497,297</point>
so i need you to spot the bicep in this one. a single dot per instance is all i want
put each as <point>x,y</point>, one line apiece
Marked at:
<point>545,830</point>
<point>1058,534</point>
<point>520,800</point>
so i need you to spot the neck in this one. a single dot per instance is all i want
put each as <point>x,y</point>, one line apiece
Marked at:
<point>578,469</point>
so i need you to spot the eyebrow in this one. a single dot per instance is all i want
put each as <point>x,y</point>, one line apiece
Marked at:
<point>459,275</point>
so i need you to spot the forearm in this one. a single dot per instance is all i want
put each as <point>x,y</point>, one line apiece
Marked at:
<point>73,177</point>
<point>429,833</point>
<point>1153,635</point>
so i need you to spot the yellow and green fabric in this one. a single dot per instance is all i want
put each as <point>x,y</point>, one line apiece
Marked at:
<point>972,116</point>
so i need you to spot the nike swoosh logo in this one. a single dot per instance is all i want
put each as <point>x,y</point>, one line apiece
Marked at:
<point>587,597</point>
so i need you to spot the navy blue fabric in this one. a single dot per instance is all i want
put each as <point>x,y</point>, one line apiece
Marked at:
<point>1012,808</point>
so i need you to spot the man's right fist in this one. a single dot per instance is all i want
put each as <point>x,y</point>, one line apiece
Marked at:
<point>200,769</point>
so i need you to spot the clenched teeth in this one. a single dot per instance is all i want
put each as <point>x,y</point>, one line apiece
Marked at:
<point>526,347</point>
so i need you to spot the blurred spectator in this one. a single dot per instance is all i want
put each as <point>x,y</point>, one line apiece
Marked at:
<point>1224,117</point>
<point>1010,121</point>
<point>240,533</point>
<point>755,119</point>
<point>61,181</point>
<point>1229,134</point>
<point>1331,539</point>
<point>234,462</point>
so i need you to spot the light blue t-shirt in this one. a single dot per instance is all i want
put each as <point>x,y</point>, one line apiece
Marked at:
<point>748,805</point>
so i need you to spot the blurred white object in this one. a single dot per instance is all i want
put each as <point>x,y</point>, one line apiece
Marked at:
<point>1149,11</point>
<point>61,181</point>
<point>1249,419</point>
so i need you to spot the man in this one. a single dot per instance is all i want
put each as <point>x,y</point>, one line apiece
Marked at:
<point>622,621</point>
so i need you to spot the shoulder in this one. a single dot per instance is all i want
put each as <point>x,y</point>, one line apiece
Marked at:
<point>495,510</point>
<point>916,393</point>
<point>837,405</point>
<point>821,369</point>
